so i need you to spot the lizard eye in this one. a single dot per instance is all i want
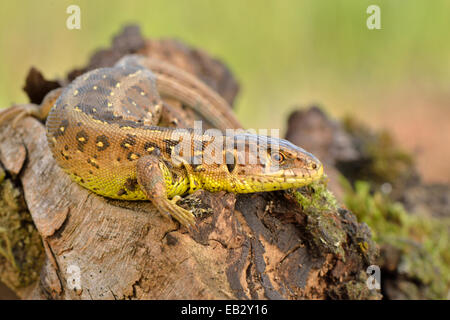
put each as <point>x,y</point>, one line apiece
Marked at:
<point>277,157</point>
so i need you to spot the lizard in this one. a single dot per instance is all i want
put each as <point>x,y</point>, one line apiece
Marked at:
<point>102,131</point>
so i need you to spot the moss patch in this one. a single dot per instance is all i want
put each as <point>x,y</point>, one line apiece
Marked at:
<point>381,159</point>
<point>320,207</point>
<point>316,197</point>
<point>21,251</point>
<point>423,243</point>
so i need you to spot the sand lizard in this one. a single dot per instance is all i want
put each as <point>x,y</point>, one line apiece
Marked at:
<point>102,131</point>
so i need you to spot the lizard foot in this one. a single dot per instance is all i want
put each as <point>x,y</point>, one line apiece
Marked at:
<point>185,217</point>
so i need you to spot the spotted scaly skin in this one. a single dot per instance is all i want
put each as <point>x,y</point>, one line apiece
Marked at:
<point>102,132</point>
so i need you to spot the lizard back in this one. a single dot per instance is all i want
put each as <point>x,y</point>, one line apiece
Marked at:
<point>101,125</point>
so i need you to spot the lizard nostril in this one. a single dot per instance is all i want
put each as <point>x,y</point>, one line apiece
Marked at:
<point>314,166</point>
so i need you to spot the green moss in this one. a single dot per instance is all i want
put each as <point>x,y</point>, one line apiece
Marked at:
<point>383,160</point>
<point>316,197</point>
<point>320,206</point>
<point>21,251</point>
<point>423,242</point>
<point>358,290</point>
<point>6,248</point>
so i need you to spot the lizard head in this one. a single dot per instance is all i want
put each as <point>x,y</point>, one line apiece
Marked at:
<point>260,163</point>
<point>256,163</point>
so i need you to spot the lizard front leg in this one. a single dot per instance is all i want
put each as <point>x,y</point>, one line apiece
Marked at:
<point>155,179</point>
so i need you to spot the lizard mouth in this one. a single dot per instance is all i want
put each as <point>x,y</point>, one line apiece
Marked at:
<point>298,180</point>
<point>289,179</point>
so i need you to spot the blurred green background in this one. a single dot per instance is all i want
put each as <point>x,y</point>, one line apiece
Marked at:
<point>285,53</point>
